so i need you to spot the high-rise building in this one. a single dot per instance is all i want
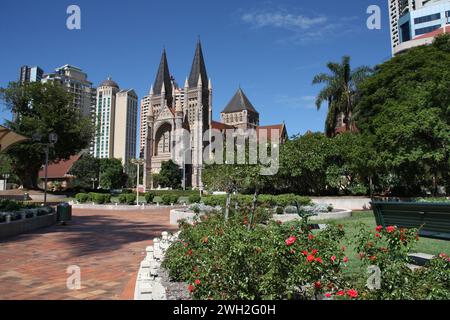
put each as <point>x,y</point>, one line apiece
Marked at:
<point>105,118</point>
<point>75,81</point>
<point>115,122</point>
<point>417,22</point>
<point>30,74</point>
<point>125,126</point>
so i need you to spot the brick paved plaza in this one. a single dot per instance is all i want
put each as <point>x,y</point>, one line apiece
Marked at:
<point>107,245</point>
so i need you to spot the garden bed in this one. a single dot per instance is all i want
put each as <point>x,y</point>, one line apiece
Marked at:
<point>26,220</point>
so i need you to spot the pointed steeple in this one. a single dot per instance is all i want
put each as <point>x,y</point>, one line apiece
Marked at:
<point>198,68</point>
<point>151,92</point>
<point>238,103</point>
<point>163,76</point>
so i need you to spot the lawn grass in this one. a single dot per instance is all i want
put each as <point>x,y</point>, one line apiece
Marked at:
<point>366,219</point>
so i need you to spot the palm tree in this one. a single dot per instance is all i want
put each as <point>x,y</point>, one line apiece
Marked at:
<point>340,92</point>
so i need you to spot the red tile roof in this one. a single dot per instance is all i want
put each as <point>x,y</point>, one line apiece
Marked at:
<point>60,169</point>
<point>434,33</point>
<point>220,126</point>
<point>269,129</point>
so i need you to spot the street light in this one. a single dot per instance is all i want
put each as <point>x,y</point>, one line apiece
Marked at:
<point>52,139</point>
<point>5,176</point>
<point>138,163</point>
<point>94,180</point>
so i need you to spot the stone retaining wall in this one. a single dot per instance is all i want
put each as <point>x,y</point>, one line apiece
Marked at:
<point>17,227</point>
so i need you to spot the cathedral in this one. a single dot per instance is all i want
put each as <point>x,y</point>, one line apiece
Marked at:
<point>169,107</point>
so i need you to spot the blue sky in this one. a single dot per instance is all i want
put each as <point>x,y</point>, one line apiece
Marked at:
<point>272,49</point>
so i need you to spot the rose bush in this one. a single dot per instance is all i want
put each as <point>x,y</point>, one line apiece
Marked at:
<point>388,248</point>
<point>226,260</point>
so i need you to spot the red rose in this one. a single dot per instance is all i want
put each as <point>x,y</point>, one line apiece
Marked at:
<point>340,293</point>
<point>317,285</point>
<point>333,258</point>
<point>191,288</point>
<point>345,259</point>
<point>189,252</point>
<point>378,235</point>
<point>390,229</point>
<point>373,258</point>
<point>361,255</point>
<point>310,237</point>
<point>290,241</point>
<point>328,295</point>
<point>379,228</point>
<point>197,282</point>
<point>314,252</point>
<point>245,222</point>
<point>352,293</point>
<point>319,260</point>
<point>310,258</point>
<point>305,253</point>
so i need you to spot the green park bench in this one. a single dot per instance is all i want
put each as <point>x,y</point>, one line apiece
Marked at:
<point>432,219</point>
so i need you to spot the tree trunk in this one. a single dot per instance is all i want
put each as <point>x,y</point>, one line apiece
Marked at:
<point>227,205</point>
<point>252,212</point>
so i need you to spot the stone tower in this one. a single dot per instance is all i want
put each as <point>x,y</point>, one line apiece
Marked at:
<point>171,108</point>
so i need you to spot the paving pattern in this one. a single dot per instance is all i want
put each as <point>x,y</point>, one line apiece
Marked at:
<point>107,246</point>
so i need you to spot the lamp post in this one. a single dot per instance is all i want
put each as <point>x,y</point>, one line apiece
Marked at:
<point>52,139</point>
<point>138,163</point>
<point>5,176</point>
<point>94,180</point>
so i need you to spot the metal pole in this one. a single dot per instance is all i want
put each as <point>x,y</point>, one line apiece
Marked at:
<point>46,167</point>
<point>137,184</point>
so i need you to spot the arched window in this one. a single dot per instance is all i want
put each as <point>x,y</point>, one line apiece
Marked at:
<point>162,140</point>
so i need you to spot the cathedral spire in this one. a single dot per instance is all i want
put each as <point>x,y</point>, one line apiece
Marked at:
<point>198,68</point>
<point>163,77</point>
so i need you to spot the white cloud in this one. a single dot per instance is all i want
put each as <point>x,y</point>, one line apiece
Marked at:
<point>301,102</point>
<point>282,20</point>
<point>302,28</point>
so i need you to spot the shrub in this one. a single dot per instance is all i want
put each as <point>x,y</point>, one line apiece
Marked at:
<point>130,198</point>
<point>226,260</point>
<point>82,197</point>
<point>195,198</point>
<point>97,198</point>
<point>10,205</point>
<point>388,248</point>
<point>149,196</point>
<point>122,198</point>
<point>168,199</point>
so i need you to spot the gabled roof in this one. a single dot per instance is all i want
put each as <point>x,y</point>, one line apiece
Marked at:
<point>60,169</point>
<point>198,68</point>
<point>163,76</point>
<point>238,103</point>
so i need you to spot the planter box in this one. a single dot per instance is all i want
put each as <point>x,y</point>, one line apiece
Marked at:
<point>25,225</point>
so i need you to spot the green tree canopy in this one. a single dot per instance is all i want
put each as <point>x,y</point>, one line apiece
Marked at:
<point>43,109</point>
<point>112,175</point>
<point>404,117</point>
<point>170,175</point>
<point>85,170</point>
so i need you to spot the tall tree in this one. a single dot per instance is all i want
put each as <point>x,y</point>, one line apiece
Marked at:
<point>170,175</point>
<point>43,109</point>
<point>404,117</point>
<point>86,172</point>
<point>112,175</point>
<point>340,92</point>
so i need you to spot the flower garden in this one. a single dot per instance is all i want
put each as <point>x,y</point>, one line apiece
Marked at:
<point>256,258</point>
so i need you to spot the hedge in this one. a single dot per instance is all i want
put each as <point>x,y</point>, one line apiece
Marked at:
<point>168,199</point>
<point>266,200</point>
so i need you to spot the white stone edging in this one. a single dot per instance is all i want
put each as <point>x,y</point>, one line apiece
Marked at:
<point>148,282</point>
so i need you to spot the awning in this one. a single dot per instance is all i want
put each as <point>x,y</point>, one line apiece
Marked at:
<point>9,138</point>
